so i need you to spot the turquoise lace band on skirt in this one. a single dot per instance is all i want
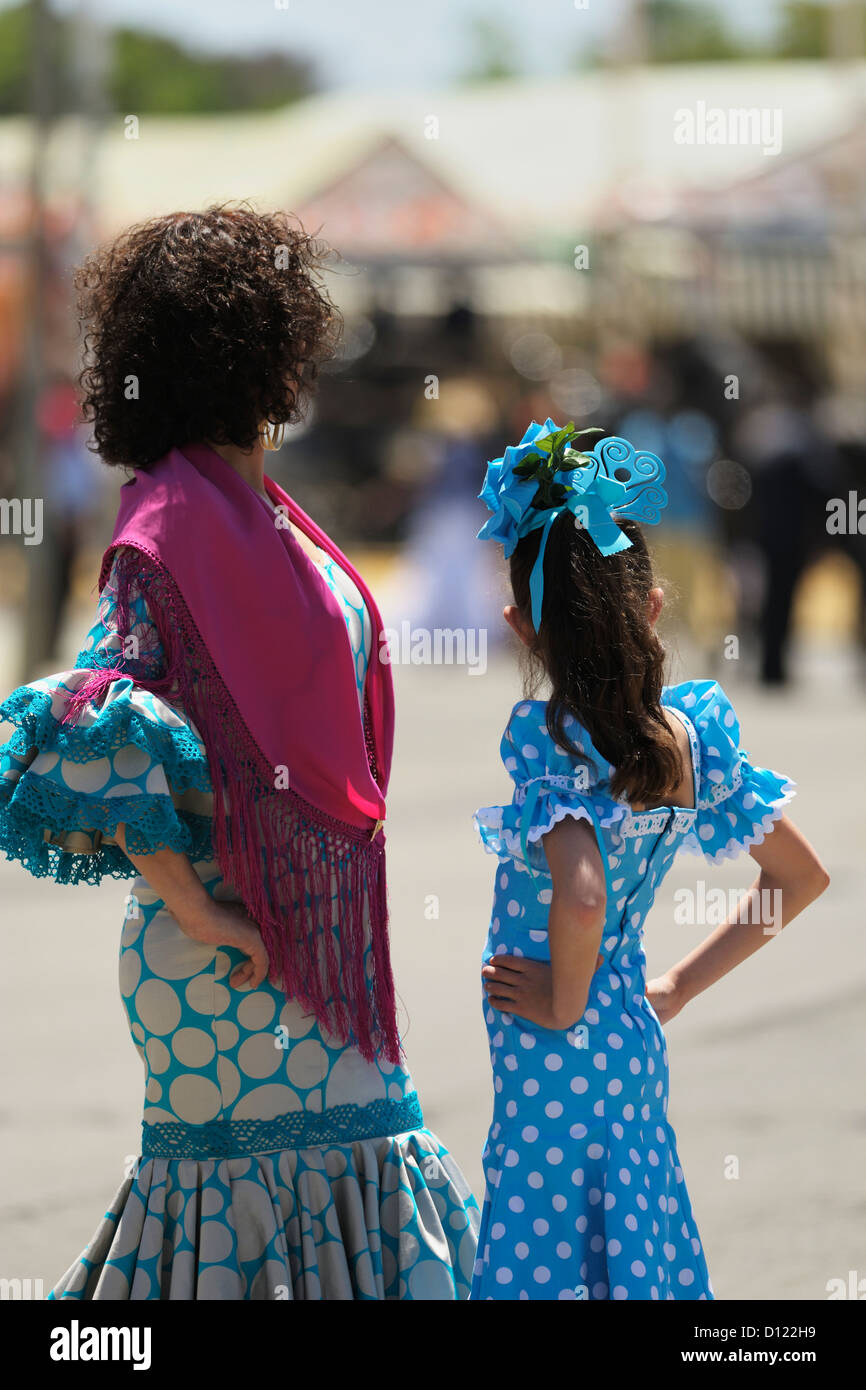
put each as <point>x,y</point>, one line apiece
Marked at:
<point>300,1129</point>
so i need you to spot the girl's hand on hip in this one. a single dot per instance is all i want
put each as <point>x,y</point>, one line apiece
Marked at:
<point>229,924</point>
<point>523,987</point>
<point>665,998</point>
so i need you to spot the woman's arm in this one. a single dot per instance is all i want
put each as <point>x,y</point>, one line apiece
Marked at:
<point>792,876</point>
<point>173,877</point>
<point>555,995</point>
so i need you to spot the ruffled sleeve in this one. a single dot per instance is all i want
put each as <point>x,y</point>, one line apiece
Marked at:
<point>737,804</point>
<point>548,786</point>
<point>131,758</point>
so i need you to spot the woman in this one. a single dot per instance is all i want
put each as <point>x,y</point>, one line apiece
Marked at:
<point>226,734</point>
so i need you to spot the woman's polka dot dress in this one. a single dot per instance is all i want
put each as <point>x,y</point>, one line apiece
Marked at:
<point>585,1196</point>
<point>276,1162</point>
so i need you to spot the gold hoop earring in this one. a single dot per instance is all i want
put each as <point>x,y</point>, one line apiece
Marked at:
<point>272,435</point>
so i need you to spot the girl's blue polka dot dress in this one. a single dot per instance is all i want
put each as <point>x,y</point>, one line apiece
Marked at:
<point>585,1197</point>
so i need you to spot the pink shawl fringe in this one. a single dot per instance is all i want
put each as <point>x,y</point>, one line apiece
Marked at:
<point>314,885</point>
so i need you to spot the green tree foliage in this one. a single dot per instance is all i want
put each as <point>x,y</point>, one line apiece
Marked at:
<point>802,30</point>
<point>806,29</point>
<point>155,74</point>
<point>683,31</point>
<point>493,51</point>
<point>150,73</point>
<point>15,59</point>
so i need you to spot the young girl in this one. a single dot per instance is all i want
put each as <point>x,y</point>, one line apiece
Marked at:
<point>612,775</point>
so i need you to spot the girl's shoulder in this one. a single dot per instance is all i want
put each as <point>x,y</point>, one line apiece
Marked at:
<point>714,733</point>
<point>737,803</point>
<point>528,749</point>
<point>701,701</point>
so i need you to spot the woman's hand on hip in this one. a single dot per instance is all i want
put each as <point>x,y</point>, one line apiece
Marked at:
<point>171,875</point>
<point>229,924</point>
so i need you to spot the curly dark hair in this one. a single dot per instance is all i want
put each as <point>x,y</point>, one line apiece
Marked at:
<point>201,326</point>
<point>604,660</point>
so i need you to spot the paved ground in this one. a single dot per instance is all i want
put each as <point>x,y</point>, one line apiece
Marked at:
<point>767,1067</point>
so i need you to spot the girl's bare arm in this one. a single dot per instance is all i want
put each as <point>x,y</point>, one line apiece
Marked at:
<point>555,995</point>
<point>792,876</point>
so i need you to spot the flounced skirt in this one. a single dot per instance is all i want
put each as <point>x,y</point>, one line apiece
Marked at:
<point>387,1218</point>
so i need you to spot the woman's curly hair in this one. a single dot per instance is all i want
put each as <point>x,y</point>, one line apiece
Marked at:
<point>199,326</point>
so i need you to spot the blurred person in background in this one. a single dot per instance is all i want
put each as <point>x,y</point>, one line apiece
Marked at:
<point>791,464</point>
<point>842,417</point>
<point>441,581</point>
<point>74,492</point>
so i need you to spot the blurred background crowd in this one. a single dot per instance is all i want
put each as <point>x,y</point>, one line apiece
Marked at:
<point>561,212</point>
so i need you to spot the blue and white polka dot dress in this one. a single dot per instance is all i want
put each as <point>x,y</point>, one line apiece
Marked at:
<point>585,1196</point>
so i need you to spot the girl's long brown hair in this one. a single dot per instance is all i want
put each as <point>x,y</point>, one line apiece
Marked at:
<point>602,657</point>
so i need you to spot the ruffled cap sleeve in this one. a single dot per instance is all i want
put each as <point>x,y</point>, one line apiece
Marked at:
<point>737,803</point>
<point>548,786</point>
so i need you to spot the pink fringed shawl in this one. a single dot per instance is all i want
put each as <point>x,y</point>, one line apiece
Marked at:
<point>258,656</point>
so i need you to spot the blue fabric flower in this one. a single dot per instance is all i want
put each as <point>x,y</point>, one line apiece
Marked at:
<point>507,496</point>
<point>610,478</point>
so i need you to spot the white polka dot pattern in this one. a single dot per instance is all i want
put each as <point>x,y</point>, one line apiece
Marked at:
<point>358,624</point>
<point>585,1197</point>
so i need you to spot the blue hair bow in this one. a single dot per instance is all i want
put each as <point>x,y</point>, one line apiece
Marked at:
<point>545,475</point>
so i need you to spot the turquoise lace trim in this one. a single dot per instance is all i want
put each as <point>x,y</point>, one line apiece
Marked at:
<point>118,724</point>
<point>33,805</point>
<point>101,657</point>
<point>300,1129</point>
